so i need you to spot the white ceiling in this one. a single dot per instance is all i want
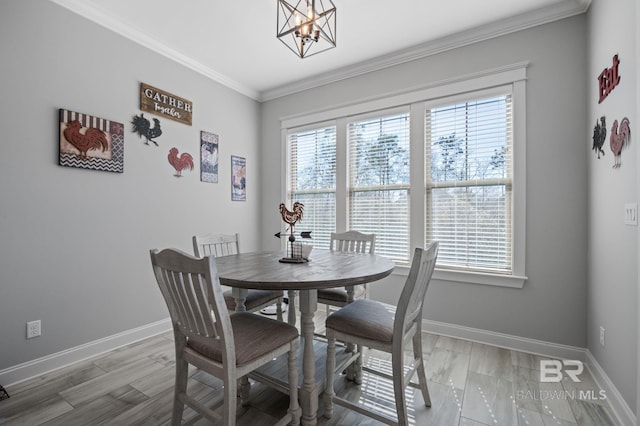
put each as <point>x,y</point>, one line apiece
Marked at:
<point>234,42</point>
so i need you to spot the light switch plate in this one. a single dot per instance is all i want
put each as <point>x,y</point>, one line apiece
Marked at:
<point>631,214</point>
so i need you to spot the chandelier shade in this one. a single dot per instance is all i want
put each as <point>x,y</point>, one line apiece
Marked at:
<point>307,27</point>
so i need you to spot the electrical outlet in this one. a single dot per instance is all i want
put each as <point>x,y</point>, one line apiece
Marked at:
<point>602,335</point>
<point>631,214</point>
<point>33,329</point>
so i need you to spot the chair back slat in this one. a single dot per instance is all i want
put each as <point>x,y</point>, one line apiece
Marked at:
<point>200,313</point>
<point>353,241</point>
<point>216,245</point>
<point>177,288</point>
<point>411,301</point>
<point>192,291</point>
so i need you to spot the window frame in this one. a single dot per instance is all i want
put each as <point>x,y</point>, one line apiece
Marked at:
<point>505,90</point>
<point>511,76</point>
<point>287,170</point>
<point>352,190</point>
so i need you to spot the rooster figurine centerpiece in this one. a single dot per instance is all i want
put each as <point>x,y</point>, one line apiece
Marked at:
<point>291,218</point>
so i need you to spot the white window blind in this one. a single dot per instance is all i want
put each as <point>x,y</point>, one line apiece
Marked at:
<point>312,174</point>
<point>469,173</point>
<point>378,150</point>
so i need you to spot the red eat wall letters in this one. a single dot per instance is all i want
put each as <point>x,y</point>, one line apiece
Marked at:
<point>608,79</point>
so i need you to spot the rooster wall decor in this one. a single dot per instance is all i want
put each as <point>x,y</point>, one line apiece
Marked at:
<point>90,142</point>
<point>619,140</point>
<point>142,127</point>
<point>184,161</point>
<point>599,136</point>
<point>91,139</point>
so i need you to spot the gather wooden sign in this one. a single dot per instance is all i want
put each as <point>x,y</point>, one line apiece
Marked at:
<point>165,104</point>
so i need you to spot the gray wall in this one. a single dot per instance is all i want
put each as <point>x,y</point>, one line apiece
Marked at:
<point>552,304</point>
<point>613,251</point>
<point>74,243</point>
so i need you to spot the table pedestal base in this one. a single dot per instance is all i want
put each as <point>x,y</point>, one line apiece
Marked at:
<point>309,404</point>
<point>274,375</point>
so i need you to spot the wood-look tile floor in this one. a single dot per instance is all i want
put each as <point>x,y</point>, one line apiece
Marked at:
<point>470,384</point>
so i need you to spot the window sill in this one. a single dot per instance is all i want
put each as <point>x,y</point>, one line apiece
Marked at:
<point>497,280</point>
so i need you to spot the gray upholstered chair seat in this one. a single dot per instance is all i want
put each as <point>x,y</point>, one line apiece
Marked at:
<point>364,318</point>
<point>255,299</point>
<point>340,294</point>
<point>253,336</point>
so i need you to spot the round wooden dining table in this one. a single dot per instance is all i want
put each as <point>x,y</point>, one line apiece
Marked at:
<point>325,269</point>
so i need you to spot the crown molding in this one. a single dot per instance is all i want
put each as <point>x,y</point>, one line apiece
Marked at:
<point>537,17</point>
<point>541,16</point>
<point>110,22</point>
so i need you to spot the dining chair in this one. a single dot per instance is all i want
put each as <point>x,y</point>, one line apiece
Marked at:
<point>227,346</point>
<point>353,241</point>
<point>223,245</point>
<point>386,328</point>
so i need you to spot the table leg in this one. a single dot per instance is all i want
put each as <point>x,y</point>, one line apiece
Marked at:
<point>244,386</point>
<point>240,296</point>
<point>352,369</point>
<point>291,314</point>
<point>309,392</point>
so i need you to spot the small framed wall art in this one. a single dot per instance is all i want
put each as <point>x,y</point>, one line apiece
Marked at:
<point>90,142</point>
<point>208,157</point>
<point>238,178</point>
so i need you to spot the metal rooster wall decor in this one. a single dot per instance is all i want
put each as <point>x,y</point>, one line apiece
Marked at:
<point>620,138</point>
<point>142,127</point>
<point>599,136</point>
<point>291,218</point>
<point>180,163</point>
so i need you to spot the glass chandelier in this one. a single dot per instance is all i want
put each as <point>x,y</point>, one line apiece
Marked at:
<point>307,27</point>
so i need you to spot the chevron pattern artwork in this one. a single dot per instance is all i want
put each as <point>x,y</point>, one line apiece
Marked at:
<point>89,142</point>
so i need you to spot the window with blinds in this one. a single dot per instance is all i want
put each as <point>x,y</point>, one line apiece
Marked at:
<point>469,173</point>
<point>378,150</point>
<point>312,181</point>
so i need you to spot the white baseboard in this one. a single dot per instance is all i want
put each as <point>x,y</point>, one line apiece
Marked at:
<point>619,406</point>
<point>507,341</point>
<point>621,410</point>
<point>36,367</point>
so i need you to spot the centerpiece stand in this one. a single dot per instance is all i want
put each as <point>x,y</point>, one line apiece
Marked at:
<point>291,218</point>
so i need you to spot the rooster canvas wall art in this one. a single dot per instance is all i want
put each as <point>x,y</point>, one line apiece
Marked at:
<point>90,142</point>
<point>620,138</point>
<point>142,127</point>
<point>180,163</point>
